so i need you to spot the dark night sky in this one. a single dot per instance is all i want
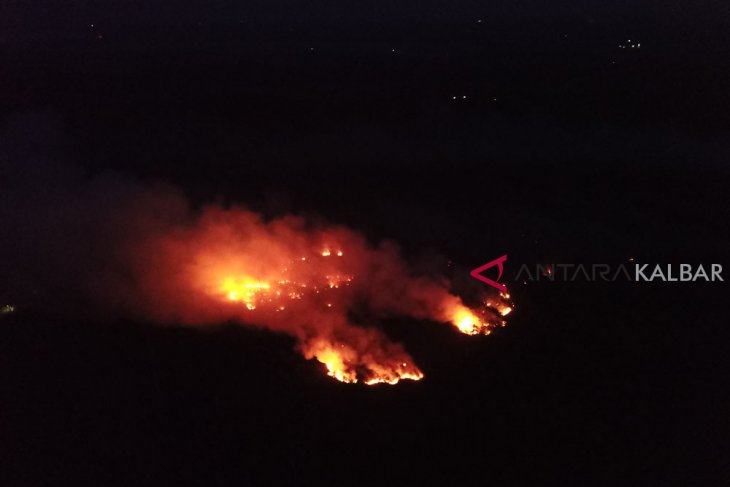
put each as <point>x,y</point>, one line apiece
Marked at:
<point>470,128</point>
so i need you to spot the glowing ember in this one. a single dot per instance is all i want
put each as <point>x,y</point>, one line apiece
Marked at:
<point>502,306</point>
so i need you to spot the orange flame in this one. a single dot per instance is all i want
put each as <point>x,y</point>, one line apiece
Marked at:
<point>289,278</point>
<point>345,364</point>
<point>481,322</point>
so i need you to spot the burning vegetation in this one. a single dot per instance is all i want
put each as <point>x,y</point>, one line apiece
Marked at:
<point>290,277</point>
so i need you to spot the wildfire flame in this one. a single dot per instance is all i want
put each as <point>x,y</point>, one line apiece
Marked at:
<point>284,276</point>
<point>342,361</point>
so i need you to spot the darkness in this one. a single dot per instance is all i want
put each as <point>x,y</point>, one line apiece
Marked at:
<point>566,148</point>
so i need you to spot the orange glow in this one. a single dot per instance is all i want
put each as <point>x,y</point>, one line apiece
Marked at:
<point>336,365</point>
<point>340,361</point>
<point>244,290</point>
<point>501,306</point>
<point>384,364</point>
<point>469,323</point>
<point>281,275</point>
<point>482,321</point>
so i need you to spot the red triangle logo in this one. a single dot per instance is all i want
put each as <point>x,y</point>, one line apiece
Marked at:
<point>477,273</point>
